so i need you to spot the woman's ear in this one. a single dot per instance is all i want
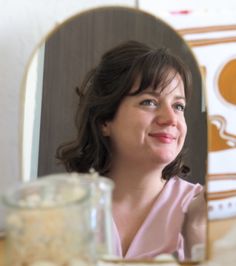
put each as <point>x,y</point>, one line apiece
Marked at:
<point>105,129</point>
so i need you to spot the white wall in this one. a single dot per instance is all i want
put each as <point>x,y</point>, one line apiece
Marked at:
<point>24,23</point>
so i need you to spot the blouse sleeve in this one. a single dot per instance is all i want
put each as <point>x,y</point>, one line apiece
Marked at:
<point>194,226</point>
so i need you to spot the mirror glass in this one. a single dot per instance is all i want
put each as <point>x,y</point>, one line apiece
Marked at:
<point>59,66</point>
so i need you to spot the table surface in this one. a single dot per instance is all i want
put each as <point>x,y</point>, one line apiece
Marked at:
<point>216,230</point>
<point>2,252</point>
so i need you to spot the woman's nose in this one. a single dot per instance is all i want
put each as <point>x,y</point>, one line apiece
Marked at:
<point>166,116</point>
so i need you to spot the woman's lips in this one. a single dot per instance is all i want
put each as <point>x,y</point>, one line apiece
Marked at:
<point>163,137</point>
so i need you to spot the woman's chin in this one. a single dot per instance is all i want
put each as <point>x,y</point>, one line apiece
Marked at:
<point>164,159</point>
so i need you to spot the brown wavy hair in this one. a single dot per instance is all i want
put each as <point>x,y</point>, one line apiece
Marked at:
<point>100,96</point>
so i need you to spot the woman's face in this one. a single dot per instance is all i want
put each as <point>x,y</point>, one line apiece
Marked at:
<point>150,126</point>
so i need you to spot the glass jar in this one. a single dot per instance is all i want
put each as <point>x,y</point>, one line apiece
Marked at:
<point>48,223</point>
<point>101,189</point>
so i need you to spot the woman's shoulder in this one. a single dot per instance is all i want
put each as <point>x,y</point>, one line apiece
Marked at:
<point>186,190</point>
<point>185,185</point>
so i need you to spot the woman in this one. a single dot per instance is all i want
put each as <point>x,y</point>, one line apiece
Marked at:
<point>131,128</point>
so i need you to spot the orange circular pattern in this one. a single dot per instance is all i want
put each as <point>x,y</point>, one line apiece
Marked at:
<point>227,82</point>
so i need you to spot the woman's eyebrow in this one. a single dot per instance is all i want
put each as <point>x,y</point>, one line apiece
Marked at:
<point>150,92</point>
<point>158,94</point>
<point>179,97</point>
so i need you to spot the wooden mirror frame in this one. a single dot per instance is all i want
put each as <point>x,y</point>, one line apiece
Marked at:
<point>119,24</point>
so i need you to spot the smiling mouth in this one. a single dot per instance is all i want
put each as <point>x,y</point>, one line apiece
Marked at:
<point>163,137</point>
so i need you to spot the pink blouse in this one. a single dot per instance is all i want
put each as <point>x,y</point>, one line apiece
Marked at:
<point>161,231</point>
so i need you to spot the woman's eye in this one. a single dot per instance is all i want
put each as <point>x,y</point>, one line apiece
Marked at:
<point>180,107</point>
<point>149,102</point>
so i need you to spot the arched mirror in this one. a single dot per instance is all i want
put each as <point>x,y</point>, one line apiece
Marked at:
<point>61,62</point>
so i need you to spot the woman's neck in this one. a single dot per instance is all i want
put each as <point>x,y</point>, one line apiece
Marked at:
<point>136,189</point>
<point>136,183</point>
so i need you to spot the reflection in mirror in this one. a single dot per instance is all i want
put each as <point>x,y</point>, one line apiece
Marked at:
<point>59,67</point>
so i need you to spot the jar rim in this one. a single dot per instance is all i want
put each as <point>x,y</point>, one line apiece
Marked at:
<point>9,198</point>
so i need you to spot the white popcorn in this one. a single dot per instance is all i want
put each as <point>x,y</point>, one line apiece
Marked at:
<point>76,262</point>
<point>50,226</point>
<point>43,263</point>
